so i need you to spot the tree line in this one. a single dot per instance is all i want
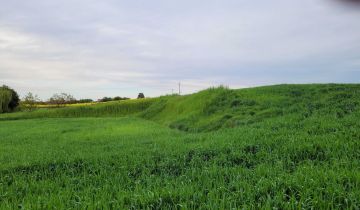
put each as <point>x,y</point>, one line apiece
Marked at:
<point>10,101</point>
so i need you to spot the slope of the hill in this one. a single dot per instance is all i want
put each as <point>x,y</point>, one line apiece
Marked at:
<point>221,107</point>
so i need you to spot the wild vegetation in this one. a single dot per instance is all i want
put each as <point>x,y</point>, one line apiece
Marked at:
<point>30,101</point>
<point>282,147</point>
<point>5,98</point>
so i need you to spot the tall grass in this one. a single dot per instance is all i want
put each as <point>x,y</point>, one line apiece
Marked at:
<point>108,109</point>
<point>275,147</point>
<point>129,163</point>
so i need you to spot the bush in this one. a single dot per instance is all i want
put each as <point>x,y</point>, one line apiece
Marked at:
<point>141,95</point>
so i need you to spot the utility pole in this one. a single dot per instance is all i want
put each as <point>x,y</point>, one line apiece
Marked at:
<point>179,88</point>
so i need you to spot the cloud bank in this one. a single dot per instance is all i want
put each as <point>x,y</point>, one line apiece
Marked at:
<point>96,48</point>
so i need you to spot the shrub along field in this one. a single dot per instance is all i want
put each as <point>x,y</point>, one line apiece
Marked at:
<point>285,147</point>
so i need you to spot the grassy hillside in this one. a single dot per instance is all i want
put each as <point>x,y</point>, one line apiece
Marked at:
<point>220,107</point>
<point>217,108</point>
<point>282,147</point>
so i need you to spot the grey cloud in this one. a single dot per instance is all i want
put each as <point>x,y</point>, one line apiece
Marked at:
<point>121,47</point>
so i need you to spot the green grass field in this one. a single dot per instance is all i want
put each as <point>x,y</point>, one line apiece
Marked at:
<point>274,147</point>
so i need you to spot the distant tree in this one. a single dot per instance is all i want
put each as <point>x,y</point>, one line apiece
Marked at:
<point>105,99</point>
<point>141,95</point>
<point>9,99</point>
<point>118,98</point>
<point>62,99</point>
<point>56,99</point>
<point>29,101</point>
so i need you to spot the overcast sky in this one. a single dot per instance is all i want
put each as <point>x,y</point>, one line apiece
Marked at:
<point>93,48</point>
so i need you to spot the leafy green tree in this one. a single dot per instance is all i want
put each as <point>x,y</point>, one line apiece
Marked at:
<point>9,99</point>
<point>5,98</point>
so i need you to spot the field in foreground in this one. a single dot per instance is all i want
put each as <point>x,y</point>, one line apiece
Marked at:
<point>270,147</point>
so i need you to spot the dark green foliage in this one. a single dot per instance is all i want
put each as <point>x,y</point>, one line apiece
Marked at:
<point>141,95</point>
<point>15,100</point>
<point>105,99</point>
<point>9,99</point>
<point>5,98</point>
<point>117,98</point>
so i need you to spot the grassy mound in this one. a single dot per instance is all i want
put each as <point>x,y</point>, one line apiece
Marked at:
<point>217,108</point>
<point>221,107</point>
